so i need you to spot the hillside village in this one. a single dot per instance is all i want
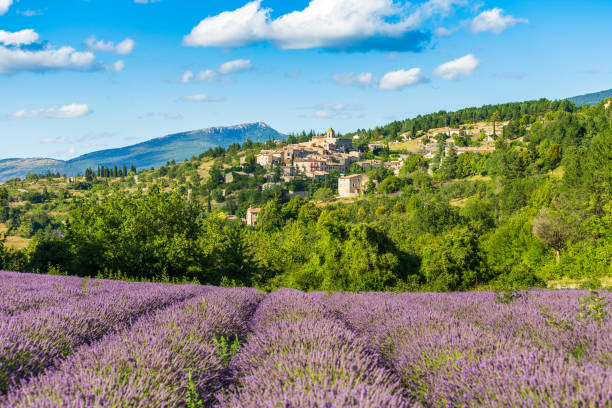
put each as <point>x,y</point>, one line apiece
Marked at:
<point>324,154</point>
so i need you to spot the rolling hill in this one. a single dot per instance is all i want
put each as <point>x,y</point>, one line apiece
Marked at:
<point>591,98</point>
<point>152,153</point>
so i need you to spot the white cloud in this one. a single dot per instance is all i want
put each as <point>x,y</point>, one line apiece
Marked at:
<point>350,78</point>
<point>206,75</point>
<point>493,20</point>
<point>227,68</point>
<point>118,66</point>
<point>187,76</point>
<point>14,60</point>
<point>64,112</point>
<point>22,51</point>
<point>201,98</point>
<point>347,25</point>
<point>239,65</point>
<point>442,32</point>
<point>23,37</point>
<point>391,81</point>
<point>146,1</point>
<point>401,79</point>
<point>458,68</point>
<point>243,26</point>
<point>4,6</point>
<point>125,47</point>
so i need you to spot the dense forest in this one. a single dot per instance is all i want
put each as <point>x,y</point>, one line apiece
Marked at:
<point>537,208</point>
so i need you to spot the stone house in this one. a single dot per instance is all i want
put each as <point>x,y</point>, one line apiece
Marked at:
<point>352,186</point>
<point>251,216</point>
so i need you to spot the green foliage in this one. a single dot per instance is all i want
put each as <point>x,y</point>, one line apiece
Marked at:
<point>192,400</point>
<point>391,184</point>
<point>413,163</point>
<point>453,262</point>
<point>226,349</point>
<point>593,307</point>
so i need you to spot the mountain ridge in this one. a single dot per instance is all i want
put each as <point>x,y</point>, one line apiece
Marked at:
<point>151,153</point>
<point>592,98</point>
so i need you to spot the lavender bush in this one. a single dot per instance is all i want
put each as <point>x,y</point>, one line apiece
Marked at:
<point>72,342</point>
<point>300,355</point>
<point>169,359</point>
<point>34,340</point>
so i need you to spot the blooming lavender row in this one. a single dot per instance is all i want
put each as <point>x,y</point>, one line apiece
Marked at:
<point>21,292</point>
<point>469,350</point>
<point>170,359</point>
<point>35,340</point>
<point>300,355</point>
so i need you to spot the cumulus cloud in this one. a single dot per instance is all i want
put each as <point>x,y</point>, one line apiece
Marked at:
<point>14,60</point>
<point>125,47</point>
<point>64,112</point>
<point>22,51</point>
<point>4,6</point>
<point>350,78</point>
<point>340,25</point>
<point>391,81</point>
<point>187,76</point>
<point>201,98</point>
<point>23,37</point>
<point>239,65</point>
<point>493,21</point>
<point>118,66</point>
<point>458,68</point>
<point>227,68</point>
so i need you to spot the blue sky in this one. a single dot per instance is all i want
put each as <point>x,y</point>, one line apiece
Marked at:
<point>78,76</point>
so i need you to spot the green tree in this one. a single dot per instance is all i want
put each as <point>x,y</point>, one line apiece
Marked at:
<point>412,163</point>
<point>391,184</point>
<point>495,117</point>
<point>448,169</point>
<point>452,261</point>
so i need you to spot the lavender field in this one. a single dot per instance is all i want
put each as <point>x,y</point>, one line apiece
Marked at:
<point>74,342</point>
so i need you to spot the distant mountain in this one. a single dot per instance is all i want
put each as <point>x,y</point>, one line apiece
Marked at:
<point>592,98</point>
<point>152,153</point>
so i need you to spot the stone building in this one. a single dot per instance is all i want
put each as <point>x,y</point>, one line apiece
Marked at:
<point>251,216</point>
<point>352,186</point>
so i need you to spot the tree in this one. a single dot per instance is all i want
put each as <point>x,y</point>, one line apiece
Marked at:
<point>552,156</point>
<point>495,117</point>
<point>552,230</point>
<point>412,163</point>
<point>323,194</point>
<point>215,178</point>
<point>354,258</point>
<point>452,261</point>
<point>146,236</point>
<point>448,169</point>
<point>270,218</point>
<point>391,184</point>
